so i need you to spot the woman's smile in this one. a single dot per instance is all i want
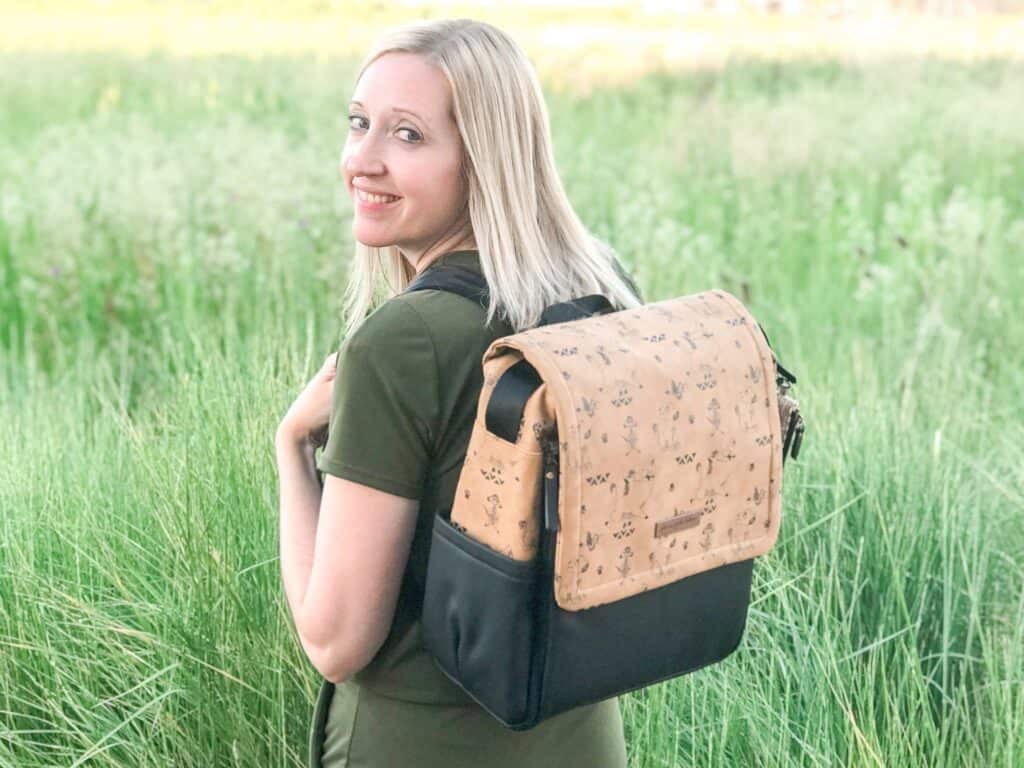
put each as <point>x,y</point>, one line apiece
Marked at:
<point>371,202</point>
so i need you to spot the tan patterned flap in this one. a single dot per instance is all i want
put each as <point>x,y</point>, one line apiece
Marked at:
<point>669,435</point>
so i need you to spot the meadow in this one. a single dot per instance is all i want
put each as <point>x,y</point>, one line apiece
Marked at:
<point>174,241</point>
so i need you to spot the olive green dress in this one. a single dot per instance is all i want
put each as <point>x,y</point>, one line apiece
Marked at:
<point>403,407</point>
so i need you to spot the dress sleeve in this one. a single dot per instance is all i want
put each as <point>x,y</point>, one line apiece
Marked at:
<point>384,404</point>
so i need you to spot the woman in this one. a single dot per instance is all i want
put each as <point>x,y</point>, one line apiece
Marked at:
<point>448,160</point>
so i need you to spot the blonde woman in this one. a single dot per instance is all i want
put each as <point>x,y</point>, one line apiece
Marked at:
<point>448,160</point>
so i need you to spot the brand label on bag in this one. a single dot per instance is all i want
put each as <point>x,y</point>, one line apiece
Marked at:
<point>681,522</point>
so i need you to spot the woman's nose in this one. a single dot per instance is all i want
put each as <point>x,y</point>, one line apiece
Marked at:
<point>363,158</point>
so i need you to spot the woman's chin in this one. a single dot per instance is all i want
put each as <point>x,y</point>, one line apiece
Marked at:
<point>372,239</point>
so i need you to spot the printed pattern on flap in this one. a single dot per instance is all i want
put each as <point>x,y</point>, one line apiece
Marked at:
<point>669,435</point>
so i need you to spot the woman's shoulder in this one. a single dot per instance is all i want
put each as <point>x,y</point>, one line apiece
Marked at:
<point>442,314</point>
<point>392,319</point>
<point>432,319</point>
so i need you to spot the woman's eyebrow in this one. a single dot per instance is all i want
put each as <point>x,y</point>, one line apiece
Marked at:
<point>394,109</point>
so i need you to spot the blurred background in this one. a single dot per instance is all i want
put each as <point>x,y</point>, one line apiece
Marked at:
<point>174,248</point>
<point>572,42</point>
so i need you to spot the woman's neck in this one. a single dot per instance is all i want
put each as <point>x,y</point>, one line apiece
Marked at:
<point>433,254</point>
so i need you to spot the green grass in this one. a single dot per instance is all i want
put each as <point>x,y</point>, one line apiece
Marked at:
<point>173,254</point>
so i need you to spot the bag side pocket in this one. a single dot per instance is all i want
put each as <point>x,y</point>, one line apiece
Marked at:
<point>479,620</point>
<point>498,495</point>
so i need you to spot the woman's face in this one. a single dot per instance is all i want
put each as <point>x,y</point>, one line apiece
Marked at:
<point>403,143</point>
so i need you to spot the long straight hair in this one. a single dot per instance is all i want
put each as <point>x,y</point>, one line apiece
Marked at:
<point>534,250</point>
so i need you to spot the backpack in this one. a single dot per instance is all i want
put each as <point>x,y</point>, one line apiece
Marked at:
<point>623,472</point>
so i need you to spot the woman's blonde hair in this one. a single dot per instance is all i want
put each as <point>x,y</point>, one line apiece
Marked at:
<point>534,250</point>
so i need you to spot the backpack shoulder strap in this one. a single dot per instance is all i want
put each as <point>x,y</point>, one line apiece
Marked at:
<point>508,401</point>
<point>576,309</point>
<point>471,285</point>
<point>455,279</point>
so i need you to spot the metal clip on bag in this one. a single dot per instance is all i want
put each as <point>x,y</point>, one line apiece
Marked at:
<point>624,470</point>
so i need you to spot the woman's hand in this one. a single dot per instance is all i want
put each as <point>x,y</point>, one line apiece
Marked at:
<point>307,418</point>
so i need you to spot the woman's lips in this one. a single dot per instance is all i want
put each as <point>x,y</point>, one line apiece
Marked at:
<point>368,205</point>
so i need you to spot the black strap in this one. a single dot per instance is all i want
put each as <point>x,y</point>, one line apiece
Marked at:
<point>576,309</point>
<point>471,285</point>
<point>508,400</point>
<point>782,371</point>
<point>463,281</point>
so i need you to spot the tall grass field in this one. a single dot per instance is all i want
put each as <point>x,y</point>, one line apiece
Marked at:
<point>174,248</point>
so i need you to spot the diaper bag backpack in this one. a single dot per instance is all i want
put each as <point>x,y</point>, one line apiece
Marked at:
<point>623,472</point>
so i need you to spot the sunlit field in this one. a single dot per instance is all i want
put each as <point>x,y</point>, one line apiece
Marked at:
<point>174,244</point>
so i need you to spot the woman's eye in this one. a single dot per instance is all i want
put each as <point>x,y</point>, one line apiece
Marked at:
<point>413,138</point>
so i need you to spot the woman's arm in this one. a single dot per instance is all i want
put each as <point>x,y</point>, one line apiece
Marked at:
<point>301,495</point>
<point>344,549</point>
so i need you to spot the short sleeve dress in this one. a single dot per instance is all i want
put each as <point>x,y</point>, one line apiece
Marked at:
<point>403,407</point>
